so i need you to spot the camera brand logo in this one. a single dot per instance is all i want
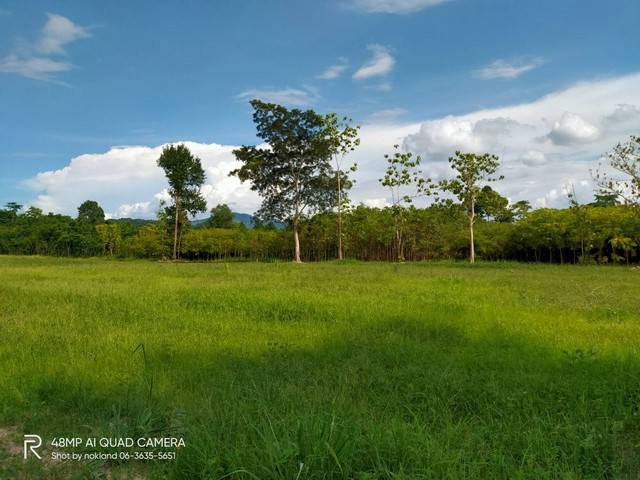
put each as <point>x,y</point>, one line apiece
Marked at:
<point>32,442</point>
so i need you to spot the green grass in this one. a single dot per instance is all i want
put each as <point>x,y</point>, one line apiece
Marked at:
<point>327,370</point>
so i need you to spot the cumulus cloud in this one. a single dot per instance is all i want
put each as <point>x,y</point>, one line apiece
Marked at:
<point>446,135</point>
<point>572,129</point>
<point>589,118</point>
<point>380,64</point>
<point>101,177</point>
<point>34,60</point>
<point>126,181</point>
<point>288,96</point>
<point>391,6</point>
<point>623,114</point>
<point>508,69</point>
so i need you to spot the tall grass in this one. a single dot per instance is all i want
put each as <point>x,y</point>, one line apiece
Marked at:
<point>330,370</point>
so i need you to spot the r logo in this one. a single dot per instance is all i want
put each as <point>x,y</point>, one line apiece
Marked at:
<point>33,442</point>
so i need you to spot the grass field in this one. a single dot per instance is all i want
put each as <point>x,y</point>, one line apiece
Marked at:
<point>324,370</point>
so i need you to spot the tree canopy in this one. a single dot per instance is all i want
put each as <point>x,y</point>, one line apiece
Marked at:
<point>185,176</point>
<point>293,175</point>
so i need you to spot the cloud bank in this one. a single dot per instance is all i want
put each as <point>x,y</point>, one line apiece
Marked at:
<point>544,146</point>
<point>127,182</point>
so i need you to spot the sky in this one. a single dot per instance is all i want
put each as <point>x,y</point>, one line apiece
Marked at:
<point>91,91</point>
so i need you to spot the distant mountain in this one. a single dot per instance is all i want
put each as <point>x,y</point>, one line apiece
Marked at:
<point>244,218</point>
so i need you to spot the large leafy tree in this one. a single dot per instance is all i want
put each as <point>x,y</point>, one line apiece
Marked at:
<point>89,212</point>
<point>472,171</point>
<point>293,175</point>
<point>185,176</point>
<point>221,217</point>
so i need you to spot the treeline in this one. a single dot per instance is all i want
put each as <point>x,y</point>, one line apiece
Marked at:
<point>579,234</point>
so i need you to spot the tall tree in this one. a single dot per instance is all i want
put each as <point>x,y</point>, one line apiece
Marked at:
<point>472,171</point>
<point>14,208</point>
<point>625,159</point>
<point>344,139</point>
<point>402,173</point>
<point>185,175</point>
<point>293,175</point>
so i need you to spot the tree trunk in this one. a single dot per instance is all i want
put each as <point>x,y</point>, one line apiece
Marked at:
<point>472,217</point>
<point>296,240</point>
<point>175,230</point>
<point>339,216</point>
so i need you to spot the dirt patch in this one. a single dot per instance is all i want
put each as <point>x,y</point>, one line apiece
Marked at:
<point>10,441</point>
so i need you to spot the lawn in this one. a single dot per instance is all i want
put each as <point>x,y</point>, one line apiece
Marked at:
<point>320,370</point>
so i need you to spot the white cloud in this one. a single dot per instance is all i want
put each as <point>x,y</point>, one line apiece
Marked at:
<point>380,64</point>
<point>35,60</point>
<point>334,71</point>
<point>58,32</point>
<point>126,181</point>
<point>573,142</point>
<point>386,116</point>
<point>510,70</point>
<point>624,114</point>
<point>448,134</point>
<point>572,129</point>
<point>391,6</point>
<point>533,158</point>
<point>38,68</point>
<point>288,96</point>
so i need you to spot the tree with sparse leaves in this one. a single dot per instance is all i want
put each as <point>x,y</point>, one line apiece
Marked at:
<point>472,171</point>
<point>293,175</point>
<point>625,159</point>
<point>401,174</point>
<point>185,176</point>
<point>344,139</point>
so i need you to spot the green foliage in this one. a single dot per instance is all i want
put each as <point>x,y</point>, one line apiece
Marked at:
<point>472,171</point>
<point>401,174</point>
<point>343,139</point>
<point>221,217</point>
<point>294,175</point>
<point>89,212</point>
<point>185,176</point>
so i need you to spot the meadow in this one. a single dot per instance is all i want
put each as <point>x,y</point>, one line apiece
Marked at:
<point>323,370</point>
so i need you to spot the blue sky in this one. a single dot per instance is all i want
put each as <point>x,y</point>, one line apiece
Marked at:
<point>90,91</point>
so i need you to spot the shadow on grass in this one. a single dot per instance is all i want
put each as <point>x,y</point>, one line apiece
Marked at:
<point>405,399</point>
<point>396,398</point>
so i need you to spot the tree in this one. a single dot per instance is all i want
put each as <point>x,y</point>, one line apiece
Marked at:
<point>89,212</point>
<point>294,174</point>
<point>472,170</point>
<point>344,139</point>
<point>14,208</point>
<point>185,175</point>
<point>625,158</point>
<point>401,173</point>
<point>221,217</point>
